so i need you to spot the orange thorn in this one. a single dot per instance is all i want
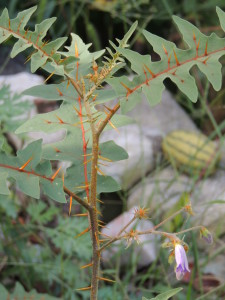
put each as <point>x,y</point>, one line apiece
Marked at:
<point>82,186</point>
<point>177,61</point>
<point>84,288</point>
<point>80,215</point>
<point>28,58</point>
<point>102,226</point>
<point>113,126</point>
<point>71,201</point>
<point>56,150</point>
<point>169,58</point>
<point>204,61</point>
<point>153,75</point>
<point>164,48</point>
<point>206,46</point>
<point>99,200</point>
<point>48,122</point>
<point>49,76</point>
<point>62,60</point>
<point>94,98</point>
<point>76,50</point>
<point>100,220</point>
<point>44,44</point>
<point>198,45</point>
<point>108,108</point>
<point>146,77</point>
<point>60,120</point>
<point>104,158</point>
<point>68,83</point>
<point>83,232</point>
<point>86,266</point>
<point>106,279</point>
<point>126,87</point>
<point>107,236</point>
<point>100,163</point>
<point>194,37</point>
<point>77,111</point>
<point>55,174</point>
<point>87,161</point>
<point>60,93</point>
<point>98,212</point>
<point>88,154</point>
<point>23,166</point>
<point>9,23</point>
<point>100,171</point>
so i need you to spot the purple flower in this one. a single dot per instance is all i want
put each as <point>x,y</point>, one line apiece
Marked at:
<point>181,261</point>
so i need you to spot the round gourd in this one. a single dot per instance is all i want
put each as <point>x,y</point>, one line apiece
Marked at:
<point>191,152</point>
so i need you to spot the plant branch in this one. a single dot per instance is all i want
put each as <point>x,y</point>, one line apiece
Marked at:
<point>116,238</point>
<point>109,116</point>
<point>189,229</point>
<point>169,218</point>
<point>77,198</point>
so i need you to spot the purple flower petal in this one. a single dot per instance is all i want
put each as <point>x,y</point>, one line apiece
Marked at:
<point>181,261</point>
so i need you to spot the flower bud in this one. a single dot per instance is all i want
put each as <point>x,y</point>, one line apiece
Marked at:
<point>206,235</point>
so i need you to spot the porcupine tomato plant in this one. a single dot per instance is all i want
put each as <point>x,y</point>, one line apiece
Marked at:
<point>80,90</point>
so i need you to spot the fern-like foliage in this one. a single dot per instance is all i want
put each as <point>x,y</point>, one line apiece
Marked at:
<point>46,54</point>
<point>203,51</point>
<point>77,64</point>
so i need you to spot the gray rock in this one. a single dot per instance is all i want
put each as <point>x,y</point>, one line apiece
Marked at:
<point>144,253</point>
<point>163,117</point>
<point>162,190</point>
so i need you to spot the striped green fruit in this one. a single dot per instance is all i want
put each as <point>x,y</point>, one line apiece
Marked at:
<point>191,152</point>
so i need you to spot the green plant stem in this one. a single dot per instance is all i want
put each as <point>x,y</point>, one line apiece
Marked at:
<point>169,218</point>
<point>189,229</point>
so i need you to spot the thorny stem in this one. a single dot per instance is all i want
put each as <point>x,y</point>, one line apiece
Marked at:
<point>109,116</point>
<point>77,198</point>
<point>94,227</point>
<point>92,207</point>
<point>93,217</point>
